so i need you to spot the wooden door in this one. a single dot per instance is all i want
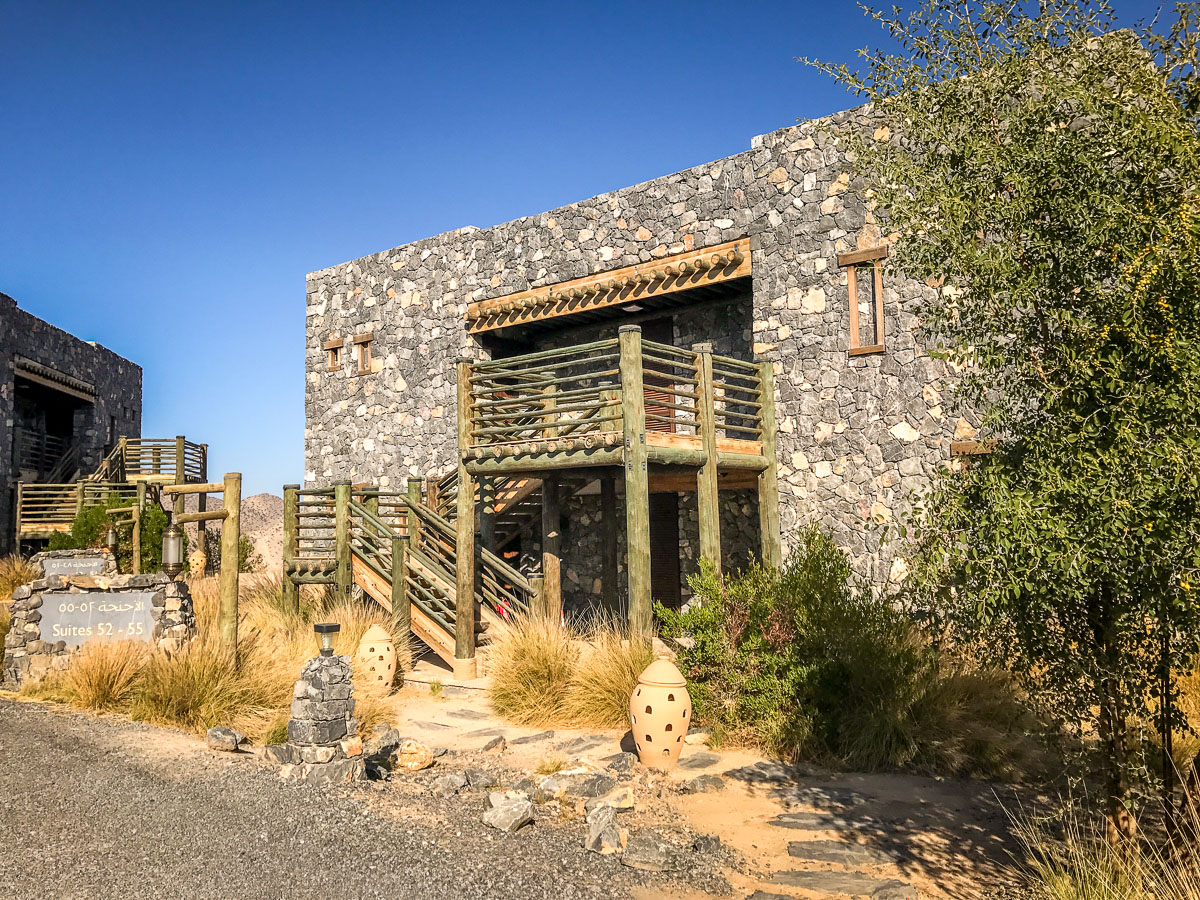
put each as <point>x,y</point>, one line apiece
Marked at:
<point>661,331</point>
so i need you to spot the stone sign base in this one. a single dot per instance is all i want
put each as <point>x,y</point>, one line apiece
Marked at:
<point>53,617</point>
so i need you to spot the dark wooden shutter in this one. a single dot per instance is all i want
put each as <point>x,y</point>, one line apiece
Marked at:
<point>664,549</point>
<point>661,331</point>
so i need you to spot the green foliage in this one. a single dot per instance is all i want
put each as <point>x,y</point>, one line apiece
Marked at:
<point>800,662</point>
<point>91,527</point>
<point>248,559</point>
<point>1044,171</point>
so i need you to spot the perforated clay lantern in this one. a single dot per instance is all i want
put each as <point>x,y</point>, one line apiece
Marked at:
<point>660,712</point>
<point>375,662</point>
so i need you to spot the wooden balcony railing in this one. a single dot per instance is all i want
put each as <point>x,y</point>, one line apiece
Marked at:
<point>577,399</point>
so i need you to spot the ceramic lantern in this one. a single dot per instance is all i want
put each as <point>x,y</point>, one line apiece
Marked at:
<point>660,712</point>
<point>375,661</point>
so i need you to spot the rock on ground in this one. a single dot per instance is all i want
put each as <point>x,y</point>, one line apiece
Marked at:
<point>222,738</point>
<point>509,815</point>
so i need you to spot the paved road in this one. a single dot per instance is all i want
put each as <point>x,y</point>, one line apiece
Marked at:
<point>97,808</point>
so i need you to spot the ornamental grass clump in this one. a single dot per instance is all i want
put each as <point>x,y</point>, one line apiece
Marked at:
<point>105,676</point>
<point>530,667</point>
<point>15,571</point>
<point>603,677</point>
<point>1067,860</point>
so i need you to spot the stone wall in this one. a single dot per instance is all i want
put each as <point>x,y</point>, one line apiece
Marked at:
<point>30,652</point>
<point>855,433</point>
<point>117,409</point>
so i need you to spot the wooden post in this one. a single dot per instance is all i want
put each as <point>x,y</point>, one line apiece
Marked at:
<point>341,516</point>
<point>180,459</point>
<point>768,485</point>
<point>227,617</point>
<point>80,488</point>
<point>551,549</point>
<point>538,605</point>
<point>487,513</point>
<point>202,506</point>
<point>138,506</point>
<point>637,483</point>
<point>123,443</point>
<point>412,525</point>
<point>401,613</point>
<point>608,522</point>
<point>707,488</point>
<point>291,543</point>
<point>465,543</point>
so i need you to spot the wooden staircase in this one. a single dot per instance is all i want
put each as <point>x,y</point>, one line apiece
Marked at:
<point>401,553</point>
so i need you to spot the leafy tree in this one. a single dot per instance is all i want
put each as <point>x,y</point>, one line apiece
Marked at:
<point>1041,169</point>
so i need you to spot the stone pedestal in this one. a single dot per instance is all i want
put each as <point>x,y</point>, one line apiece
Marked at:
<point>322,746</point>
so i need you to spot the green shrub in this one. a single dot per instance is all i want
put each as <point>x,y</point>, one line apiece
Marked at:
<point>800,662</point>
<point>248,560</point>
<point>91,527</point>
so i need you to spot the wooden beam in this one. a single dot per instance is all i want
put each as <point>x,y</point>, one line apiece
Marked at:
<point>678,481</point>
<point>681,272</point>
<point>608,522</point>
<point>545,462</point>
<point>855,257</point>
<point>707,499</point>
<point>291,543</point>
<point>637,487</point>
<point>768,484</point>
<point>215,515</point>
<point>551,549</point>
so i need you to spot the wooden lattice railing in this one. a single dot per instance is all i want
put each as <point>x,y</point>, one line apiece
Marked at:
<point>572,399</point>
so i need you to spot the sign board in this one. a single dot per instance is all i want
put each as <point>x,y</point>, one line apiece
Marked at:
<point>74,565</point>
<point>79,618</point>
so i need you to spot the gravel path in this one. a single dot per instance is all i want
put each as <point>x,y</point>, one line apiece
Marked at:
<point>97,807</point>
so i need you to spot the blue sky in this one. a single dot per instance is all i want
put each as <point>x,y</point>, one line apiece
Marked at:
<point>170,172</point>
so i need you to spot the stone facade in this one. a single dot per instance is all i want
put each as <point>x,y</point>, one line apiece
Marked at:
<point>115,382</point>
<point>29,654</point>
<point>856,434</point>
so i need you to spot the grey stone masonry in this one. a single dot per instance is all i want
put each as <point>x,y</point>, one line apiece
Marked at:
<point>115,383</point>
<point>322,746</point>
<point>857,434</point>
<point>89,608</point>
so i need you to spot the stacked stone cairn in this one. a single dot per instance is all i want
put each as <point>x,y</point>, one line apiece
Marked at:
<point>322,747</point>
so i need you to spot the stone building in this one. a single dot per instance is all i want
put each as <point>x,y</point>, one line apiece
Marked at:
<point>63,404</point>
<point>860,422</point>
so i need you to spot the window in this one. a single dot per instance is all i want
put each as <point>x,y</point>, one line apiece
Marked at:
<point>362,352</point>
<point>864,269</point>
<point>333,348</point>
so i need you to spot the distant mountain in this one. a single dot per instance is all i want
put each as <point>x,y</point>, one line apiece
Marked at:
<point>261,521</point>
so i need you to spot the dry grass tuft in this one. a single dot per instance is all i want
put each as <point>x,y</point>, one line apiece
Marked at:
<point>1077,863</point>
<point>550,764</point>
<point>104,675</point>
<point>530,667</point>
<point>201,687</point>
<point>15,571</point>
<point>605,674</point>
<point>545,674</point>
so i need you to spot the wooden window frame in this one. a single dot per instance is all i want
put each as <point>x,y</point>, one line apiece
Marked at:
<point>362,352</point>
<point>850,262</point>
<point>333,351</point>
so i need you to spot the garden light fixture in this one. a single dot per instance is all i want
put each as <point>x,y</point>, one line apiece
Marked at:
<point>172,551</point>
<point>327,630</point>
<point>110,539</point>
